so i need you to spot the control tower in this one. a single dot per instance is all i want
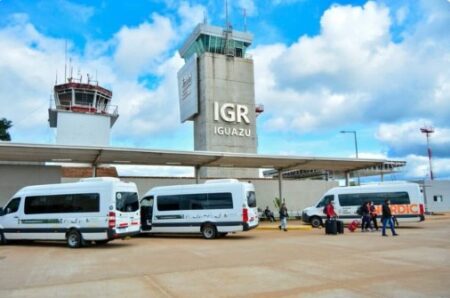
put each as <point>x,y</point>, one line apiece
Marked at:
<point>82,114</point>
<point>217,92</point>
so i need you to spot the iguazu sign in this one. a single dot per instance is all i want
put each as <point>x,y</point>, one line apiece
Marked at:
<point>234,115</point>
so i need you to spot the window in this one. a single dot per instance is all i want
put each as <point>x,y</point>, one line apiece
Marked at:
<point>195,201</point>
<point>251,199</point>
<point>438,198</point>
<point>325,201</point>
<point>66,203</point>
<point>13,206</point>
<point>357,199</point>
<point>127,201</point>
<point>225,201</point>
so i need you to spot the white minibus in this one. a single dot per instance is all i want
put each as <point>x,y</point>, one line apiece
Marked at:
<point>407,203</point>
<point>93,209</point>
<point>213,208</point>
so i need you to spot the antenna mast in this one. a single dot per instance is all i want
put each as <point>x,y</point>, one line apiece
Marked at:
<point>65,61</point>
<point>427,131</point>
<point>227,22</point>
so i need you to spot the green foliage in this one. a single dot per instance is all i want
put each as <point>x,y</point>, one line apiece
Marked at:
<point>277,202</point>
<point>4,126</point>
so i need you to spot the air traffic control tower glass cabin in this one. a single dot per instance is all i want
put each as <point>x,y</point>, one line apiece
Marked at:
<point>217,92</point>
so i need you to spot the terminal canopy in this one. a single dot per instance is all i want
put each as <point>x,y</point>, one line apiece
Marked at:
<point>94,156</point>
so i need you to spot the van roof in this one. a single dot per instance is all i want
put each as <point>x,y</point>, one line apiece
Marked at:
<point>82,183</point>
<point>377,185</point>
<point>208,184</point>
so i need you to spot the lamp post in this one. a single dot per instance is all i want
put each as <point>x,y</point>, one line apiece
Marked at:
<point>356,145</point>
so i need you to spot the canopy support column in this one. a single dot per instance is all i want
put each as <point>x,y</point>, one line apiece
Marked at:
<point>280,186</point>
<point>347,178</point>
<point>197,174</point>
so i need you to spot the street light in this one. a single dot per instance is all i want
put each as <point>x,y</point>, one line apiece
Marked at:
<point>356,145</point>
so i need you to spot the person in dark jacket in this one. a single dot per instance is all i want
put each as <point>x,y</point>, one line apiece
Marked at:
<point>386,218</point>
<point>269,214</point>
<point>283,217</point>
<point>365,222</point>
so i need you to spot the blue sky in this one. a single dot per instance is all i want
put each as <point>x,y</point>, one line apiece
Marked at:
<point>381,68</point>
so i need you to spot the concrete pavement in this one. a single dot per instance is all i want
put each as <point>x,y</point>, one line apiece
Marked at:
<point>260,262</point>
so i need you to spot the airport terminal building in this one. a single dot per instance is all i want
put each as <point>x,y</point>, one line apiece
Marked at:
<point>216,92</point>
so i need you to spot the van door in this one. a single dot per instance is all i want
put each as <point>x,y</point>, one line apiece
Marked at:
<point>11,220</point>
<point>147,213</point>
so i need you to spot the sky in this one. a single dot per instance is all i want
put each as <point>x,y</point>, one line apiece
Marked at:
<point>381,68</point>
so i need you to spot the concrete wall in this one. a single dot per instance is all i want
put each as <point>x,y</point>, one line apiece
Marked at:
<point>434,191</point>
<point>298,194</point>
<point>83,129</point>
<point>14,177</point>
<point>224,80</point>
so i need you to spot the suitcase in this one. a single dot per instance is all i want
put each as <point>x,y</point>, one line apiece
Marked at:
<point>340,226</point>
<point>330,227</point>
<point>353,225</point>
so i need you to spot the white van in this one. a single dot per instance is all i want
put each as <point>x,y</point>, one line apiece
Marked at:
<point>214,208</point>
<point>93,209</point>
<point>407,203</point>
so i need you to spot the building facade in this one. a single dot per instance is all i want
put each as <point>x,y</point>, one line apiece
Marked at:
<point>217,92</point>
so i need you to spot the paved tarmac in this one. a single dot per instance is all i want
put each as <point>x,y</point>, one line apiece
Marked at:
<point>259,263</point>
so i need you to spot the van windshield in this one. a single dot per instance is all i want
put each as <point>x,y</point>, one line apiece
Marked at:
<point>325,201</point>
<point>127,201</point>
<point>251,199</point>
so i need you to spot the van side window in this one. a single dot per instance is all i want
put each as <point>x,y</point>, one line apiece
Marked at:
<point>13,206</point>
<point>195,201</point>
<point>357,199</point>
<point>65,203</point>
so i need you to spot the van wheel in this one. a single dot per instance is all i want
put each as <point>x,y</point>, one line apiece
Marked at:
<point>209,231</point>
<point>316,221</point>
<point>2,238</point>
<point>74,239</point>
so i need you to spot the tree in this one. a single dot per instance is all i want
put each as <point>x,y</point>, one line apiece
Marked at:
<point>4,126</point>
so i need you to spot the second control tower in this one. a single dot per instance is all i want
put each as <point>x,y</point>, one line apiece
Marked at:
<point>217,92</point>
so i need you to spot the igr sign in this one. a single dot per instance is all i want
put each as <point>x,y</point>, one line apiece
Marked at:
<point>230,112</point>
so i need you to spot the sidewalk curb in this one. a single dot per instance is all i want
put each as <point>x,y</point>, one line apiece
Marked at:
<point>289,228</point>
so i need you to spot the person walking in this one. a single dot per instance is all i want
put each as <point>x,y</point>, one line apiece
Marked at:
<point>365,222</point>
<point>386,218</point>
<point>283,217</point>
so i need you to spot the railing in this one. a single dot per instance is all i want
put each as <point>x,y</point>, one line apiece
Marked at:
<point>112,110</point>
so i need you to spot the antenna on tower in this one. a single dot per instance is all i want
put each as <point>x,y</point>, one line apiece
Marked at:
<point>205,18</point>
<point>56,79</point>
<point>65,61</point>
<point>71,70</point>
<point>227,21</point>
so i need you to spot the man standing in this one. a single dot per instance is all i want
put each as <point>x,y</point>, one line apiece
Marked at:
<point>283,217</point>
<point>329,210</point>
<point>387,217</point>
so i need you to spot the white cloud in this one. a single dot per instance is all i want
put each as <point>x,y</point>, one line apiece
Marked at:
<point>141,48</point>
<point>353,72</point>
<point>418,167</point>
<point>406,138</point>
<point>190,16</point>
